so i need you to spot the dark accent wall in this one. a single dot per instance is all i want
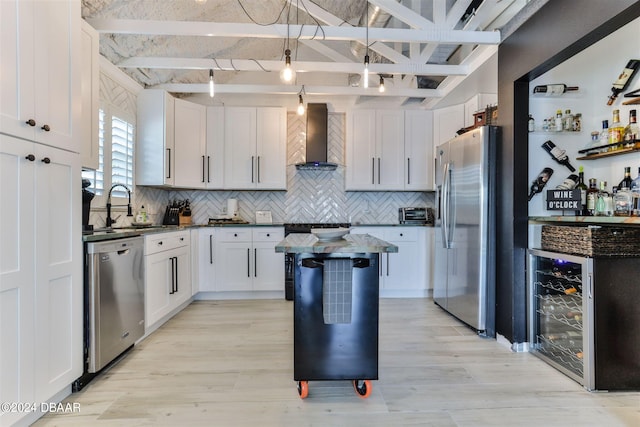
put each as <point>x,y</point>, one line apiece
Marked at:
<point>559,30</point>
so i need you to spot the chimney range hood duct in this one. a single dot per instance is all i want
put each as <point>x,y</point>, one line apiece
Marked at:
<point>316,139</point>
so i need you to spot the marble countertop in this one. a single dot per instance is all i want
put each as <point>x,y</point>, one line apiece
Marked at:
<point>350,243</point>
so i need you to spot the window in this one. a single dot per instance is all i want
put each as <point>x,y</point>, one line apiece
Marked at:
<point>115,163</point>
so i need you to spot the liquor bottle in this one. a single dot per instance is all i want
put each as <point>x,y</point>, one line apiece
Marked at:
<point>569,183</point>
<point>626,181</point>
<point>622,200</point>
<point>616,131</point>
<point>531,124</point>
<point>558,155</point>
<point>604,203</point>
<point>567,121</point>
<point>592,196</point>
<point>604,133</point>
<point>558,122</point>
<point>538,184</point>
<point>623,79</point>
<point>554,89</point>
<point>577,122</point>
<point>635,195</point>
<point>632,130</point>
<point>583,193</point>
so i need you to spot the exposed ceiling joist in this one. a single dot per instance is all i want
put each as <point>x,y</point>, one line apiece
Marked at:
<point>404,14</point>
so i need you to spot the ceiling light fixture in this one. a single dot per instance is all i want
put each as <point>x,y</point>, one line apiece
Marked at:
<point>381,87</point>
<point>301,102</point>
<point>211,88</point>
<point>287,71</point>
<point>366,56</point>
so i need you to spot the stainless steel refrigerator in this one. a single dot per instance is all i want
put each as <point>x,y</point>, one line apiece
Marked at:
<point>464,273</point>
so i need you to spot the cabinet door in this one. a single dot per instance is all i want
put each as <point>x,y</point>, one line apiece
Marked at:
<point>58,254</point>
<point>389,161</point>
<point>361,150</point>
<point>418,150</point>
<point>17,273</point>
<point>271,148</point>
<point>158,284</point>
<point>268,270</point>
<point>190,127</point>
<point>240,148</point>
<point>57,73</point>
<point>215,148</point>
<point>17,90</point>
<point>405,270</point>
<point>236,259</point>
<point>90,86</point>
<point>446,123</point>
<point>155,148</point>
<point>205,258</point>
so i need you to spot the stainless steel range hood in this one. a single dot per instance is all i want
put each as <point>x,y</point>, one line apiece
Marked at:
<point>317,143</point>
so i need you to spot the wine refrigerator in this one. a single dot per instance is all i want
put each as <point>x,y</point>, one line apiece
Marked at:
<point>584,317</point>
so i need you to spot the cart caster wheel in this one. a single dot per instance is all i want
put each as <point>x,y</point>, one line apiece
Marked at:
<point>303,389</point>
<point>363,390</point>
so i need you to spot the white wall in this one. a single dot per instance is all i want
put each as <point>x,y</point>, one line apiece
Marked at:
<point>593,70</point>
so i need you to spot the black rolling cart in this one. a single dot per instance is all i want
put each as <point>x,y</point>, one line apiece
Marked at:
<point>336,319</point>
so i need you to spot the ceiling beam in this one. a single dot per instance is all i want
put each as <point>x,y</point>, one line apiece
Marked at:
<point>294,90</point>
<point>298,66</point>
<point>403,13</point>
<point>303,32</point>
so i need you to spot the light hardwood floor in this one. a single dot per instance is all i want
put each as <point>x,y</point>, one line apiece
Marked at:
<point>230,363</point>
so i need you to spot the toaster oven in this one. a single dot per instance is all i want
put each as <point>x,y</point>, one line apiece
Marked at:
<point>417,216</point>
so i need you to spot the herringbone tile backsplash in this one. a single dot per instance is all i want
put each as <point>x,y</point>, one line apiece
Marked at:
<point>311,196</point>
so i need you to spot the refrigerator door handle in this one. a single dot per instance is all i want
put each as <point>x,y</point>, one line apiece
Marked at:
<point>445,206</point>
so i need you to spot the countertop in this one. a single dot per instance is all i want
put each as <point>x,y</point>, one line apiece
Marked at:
<point>350,243</point>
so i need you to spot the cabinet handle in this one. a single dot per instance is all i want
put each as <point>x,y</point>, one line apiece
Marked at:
<point>258,169</point>
<point>255,262</point>
<point>210,248</point>
<point>46,128</point>
<point>173,277</point>
<point>252,160</point>
<point>30,157</point>
<point>177,285</point>
<point>203,169</point>
<point>168,163</point>
<point>182,239</point>
<point>235,234</point>
<point>248,262</point>
<point>373,170</point>
<point>268,235</point>
<point>401,234</point>
<point>46,160</point>
<point>208,168</point>
<point>31,122</point>
<point>378,170</point>
<point>160,243</point>
<point>408,171</point>
<point>387,265</point>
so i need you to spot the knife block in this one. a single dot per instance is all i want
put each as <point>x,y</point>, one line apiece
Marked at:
<point>171,217</point>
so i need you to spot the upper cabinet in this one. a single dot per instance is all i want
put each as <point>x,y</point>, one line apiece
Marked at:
<point>155,147</point>
<point>190,131</point>
<point>389,150</point>
<point>255,148</point>
<point>215,148</point>
<point>40,68</point>
<point>90,87</point>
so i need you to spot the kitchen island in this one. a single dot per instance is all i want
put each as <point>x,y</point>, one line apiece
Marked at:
<point>336,293</point>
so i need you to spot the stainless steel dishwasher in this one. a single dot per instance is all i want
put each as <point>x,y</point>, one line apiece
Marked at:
<point>115,270</point>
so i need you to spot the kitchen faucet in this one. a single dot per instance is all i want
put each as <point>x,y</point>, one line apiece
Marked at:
<point>111,221</point>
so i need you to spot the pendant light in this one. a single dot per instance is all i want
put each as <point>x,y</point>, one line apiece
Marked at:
<point>287,71</point>
<point>211,88</point>
<point>381,86</point>
<point>301,102</point>
<point>365,75</point>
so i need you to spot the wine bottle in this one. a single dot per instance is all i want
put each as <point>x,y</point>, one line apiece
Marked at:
<point>624,79</point>
<point>538,184</point>
<point>592,196</point>
<point>583,193</point>
<point>569,183</point>
<point>626,181</point>
<point>554,89</point>
<point>558,155</point>
<point>632,131</point>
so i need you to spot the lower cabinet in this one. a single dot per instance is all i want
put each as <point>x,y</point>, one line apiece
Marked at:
<point>246,259</point>
<point>167,275</point>
<point>407,272</point>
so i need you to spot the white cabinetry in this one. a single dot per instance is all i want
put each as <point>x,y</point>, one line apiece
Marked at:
<point>407,272</point>
<point>155,146</point>
<point>215,148</point>
<point>375,150</point>
<point>389,150</point>
<point>255,148</point>
<point>40,272</point>
<point>90,86</point>
<point>203,257</point>
<point>167,276</point>
<point>190,130</point>
<point>40,68</point>
<point>477,103</point>
<point>246,259</point>
<point>446,123</point>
